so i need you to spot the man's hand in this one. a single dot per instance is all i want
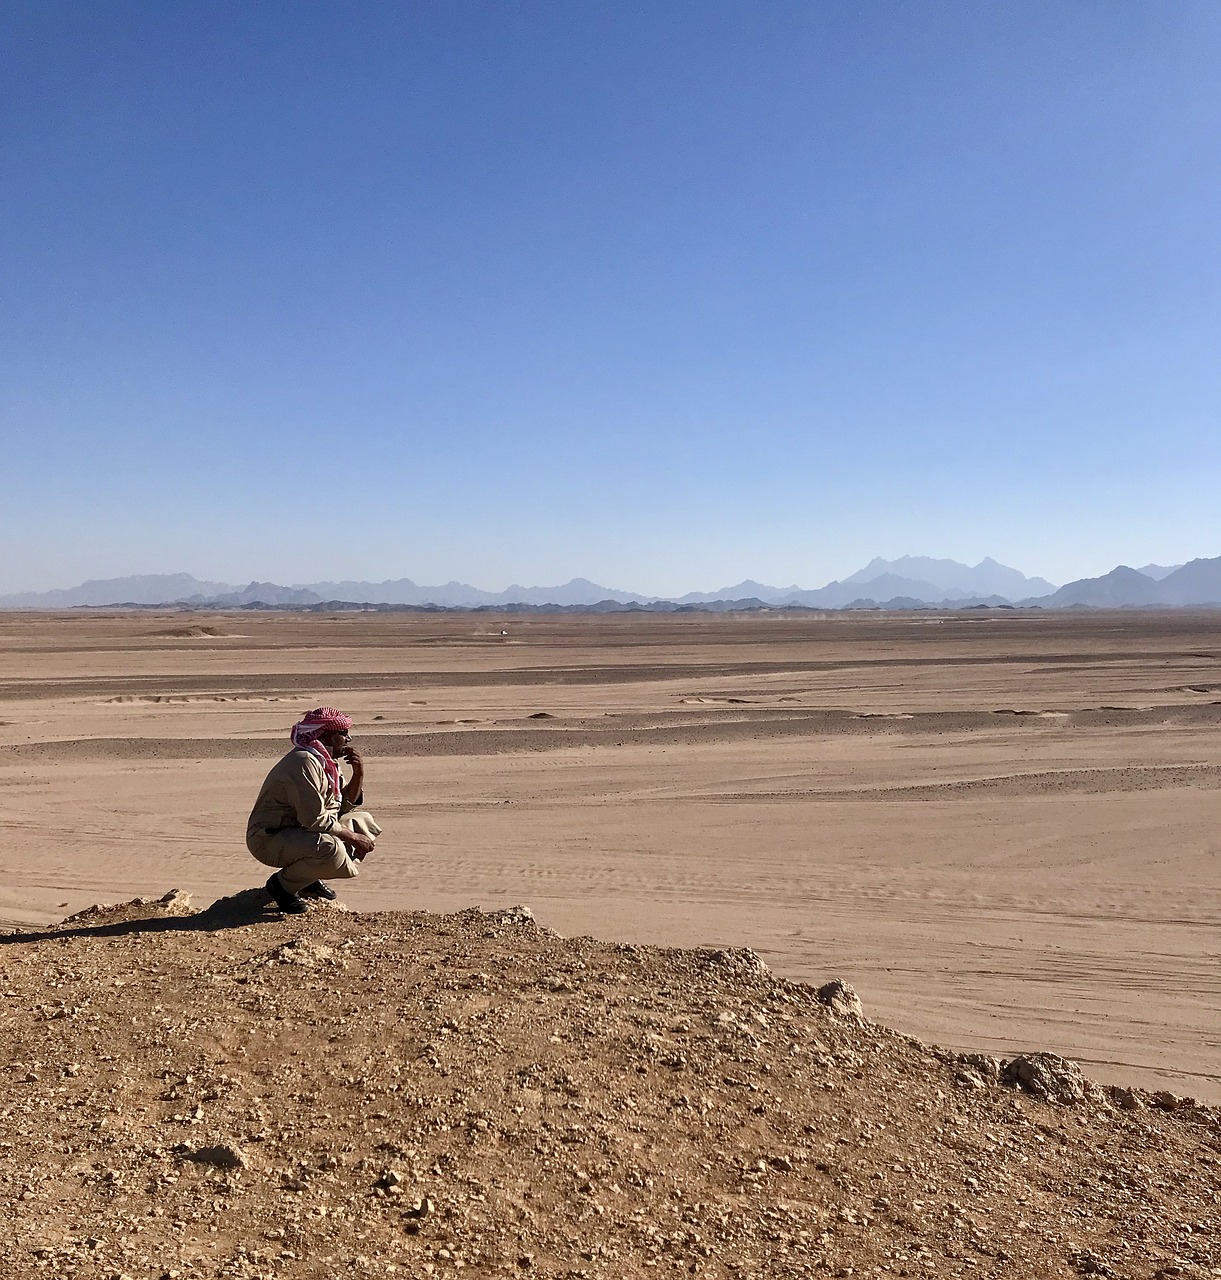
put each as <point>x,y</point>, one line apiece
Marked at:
<point>356,783</point>
<point>359,844</point>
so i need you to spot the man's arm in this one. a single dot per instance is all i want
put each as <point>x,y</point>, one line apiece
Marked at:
<point>310,802</point>
<point>353,793</point>
<point>354,789</point>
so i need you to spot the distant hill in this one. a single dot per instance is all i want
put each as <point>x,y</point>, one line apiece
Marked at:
<point>911,582</point>
<point>740,591</point>
<point>919,578</point>
<point>145,588</point>
<point>1195,583</point>
<point>1158,571</point>
<point>1122,586</point>
<point>885,586</point>
<point>182,588</point>
<point>260,593</point>
<point>987,578</point>
<point>458,595</point>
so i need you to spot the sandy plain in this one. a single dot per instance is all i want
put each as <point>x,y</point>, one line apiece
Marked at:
<point>999,827</point>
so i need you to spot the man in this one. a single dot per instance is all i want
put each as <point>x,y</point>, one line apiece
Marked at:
<point>304,821</point>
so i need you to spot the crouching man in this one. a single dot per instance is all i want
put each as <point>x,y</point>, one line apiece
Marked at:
<point>306,820</point>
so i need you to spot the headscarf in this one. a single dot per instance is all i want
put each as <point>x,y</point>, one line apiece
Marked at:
<point>305,735</point>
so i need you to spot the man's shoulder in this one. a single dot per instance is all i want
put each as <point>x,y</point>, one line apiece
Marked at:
<point>298,760</point>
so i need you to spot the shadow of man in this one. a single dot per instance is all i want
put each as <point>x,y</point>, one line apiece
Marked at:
<point>251,906</point>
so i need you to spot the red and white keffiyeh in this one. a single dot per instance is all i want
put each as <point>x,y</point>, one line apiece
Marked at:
<point>305,735</point>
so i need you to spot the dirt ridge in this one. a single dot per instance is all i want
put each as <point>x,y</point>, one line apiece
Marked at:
<point>227,1093</point>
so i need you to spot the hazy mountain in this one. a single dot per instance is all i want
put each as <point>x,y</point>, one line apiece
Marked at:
<point>259,593</point>
<point>885,586</point>
<point>145,588</point>
<point>578,591</point>
<point>461,596</point>
<point>182,588</point>
<point>987,578</point>
<point>392,591</point>
<point>879,581</point>
<point>835,595</point>
<point>159,588</point>
<point>1197,582</point>
<point>744,590</point>
<point>1122,586</point>
<point>1158,571</point>
<point>942,583</point>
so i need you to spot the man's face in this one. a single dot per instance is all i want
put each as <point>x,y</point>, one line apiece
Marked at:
<point>335,741</point>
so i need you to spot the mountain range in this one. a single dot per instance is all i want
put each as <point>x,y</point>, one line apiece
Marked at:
<point>909,582</point>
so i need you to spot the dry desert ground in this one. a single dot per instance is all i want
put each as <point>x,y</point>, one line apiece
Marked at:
<point>994,829</point>
<point>1000,827</point>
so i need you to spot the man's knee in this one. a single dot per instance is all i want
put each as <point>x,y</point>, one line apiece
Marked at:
<point>334,858</point>
<point>322,856</point>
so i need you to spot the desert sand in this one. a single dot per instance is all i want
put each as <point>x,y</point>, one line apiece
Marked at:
<point>998,827</point>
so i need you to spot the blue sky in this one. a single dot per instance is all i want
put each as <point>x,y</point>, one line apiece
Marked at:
<point>661,294</point>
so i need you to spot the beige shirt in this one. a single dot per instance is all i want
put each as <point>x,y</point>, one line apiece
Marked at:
<point>297,793</point>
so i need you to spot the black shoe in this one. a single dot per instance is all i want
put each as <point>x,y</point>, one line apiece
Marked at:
<point>319,890</point>
<point>289,903</point>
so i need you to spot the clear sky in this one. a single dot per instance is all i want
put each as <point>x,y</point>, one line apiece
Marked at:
<point>663,293</point>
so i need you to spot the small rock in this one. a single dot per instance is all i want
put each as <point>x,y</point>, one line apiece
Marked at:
<point>841,999</point>
<point>303,952</point>
<point>738,960</point>
<point>1048,1077</point>
<point>519,915</point>
<point>223,1156</point>
<point>981,1066</point>
<point>1088,1263</point>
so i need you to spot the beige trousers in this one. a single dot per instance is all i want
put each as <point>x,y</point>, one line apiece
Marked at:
<point>305,856</point>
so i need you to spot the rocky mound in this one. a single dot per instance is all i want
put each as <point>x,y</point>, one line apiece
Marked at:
<point>189,633</point>
<point>227,1094</point>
